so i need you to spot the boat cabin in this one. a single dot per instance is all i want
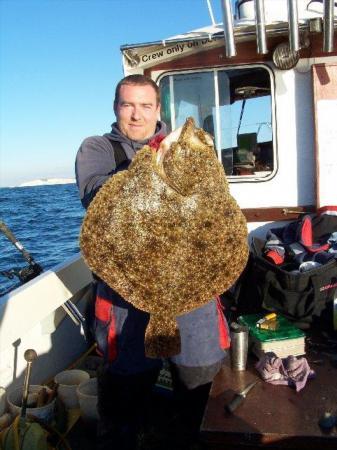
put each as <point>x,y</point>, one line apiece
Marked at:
<point>264,86</point>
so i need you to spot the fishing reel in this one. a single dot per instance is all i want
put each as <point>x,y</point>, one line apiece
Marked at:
<point>25,274</point>
<point>29,272</point>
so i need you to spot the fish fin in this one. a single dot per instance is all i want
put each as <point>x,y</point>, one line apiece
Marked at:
<point>162,337</point>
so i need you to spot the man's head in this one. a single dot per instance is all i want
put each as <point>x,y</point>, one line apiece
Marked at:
<point>137,106</point>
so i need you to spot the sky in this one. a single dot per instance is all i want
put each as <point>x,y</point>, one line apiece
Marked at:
<point>60,61</point>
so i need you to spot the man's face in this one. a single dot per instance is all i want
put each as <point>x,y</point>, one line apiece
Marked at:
<point>137,111</point>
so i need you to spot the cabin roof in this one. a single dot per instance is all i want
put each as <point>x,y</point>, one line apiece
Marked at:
<point>142,55</point>
<point>241,27</point>
<point>210,32</point>
<point>138,56</point>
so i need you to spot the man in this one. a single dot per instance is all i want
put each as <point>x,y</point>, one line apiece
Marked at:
<point>129,376</point>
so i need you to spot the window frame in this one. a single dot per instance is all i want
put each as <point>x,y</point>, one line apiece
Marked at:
<point>215,70</point>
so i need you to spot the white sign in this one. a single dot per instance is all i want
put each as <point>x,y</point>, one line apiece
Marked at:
<point>161,54</point>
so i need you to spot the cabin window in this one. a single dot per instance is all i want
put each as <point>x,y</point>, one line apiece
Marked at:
<point>235,106</point>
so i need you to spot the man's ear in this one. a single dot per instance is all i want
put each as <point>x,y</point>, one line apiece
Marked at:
<point>115,108</point>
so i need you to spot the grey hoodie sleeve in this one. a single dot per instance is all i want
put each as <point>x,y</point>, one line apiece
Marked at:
<point>95,163</point>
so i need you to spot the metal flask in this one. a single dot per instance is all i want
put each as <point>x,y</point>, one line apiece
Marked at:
<point>239,346</point>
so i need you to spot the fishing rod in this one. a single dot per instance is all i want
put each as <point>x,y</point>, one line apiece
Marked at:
<point>27,273</point>
<point>33,270</point>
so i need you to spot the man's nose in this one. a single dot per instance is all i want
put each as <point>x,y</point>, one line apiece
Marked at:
<point>136,113</point>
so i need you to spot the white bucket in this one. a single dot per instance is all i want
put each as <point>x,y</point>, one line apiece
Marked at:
<point>67,382</point>
<point>45,413</point>
<point>87,396</point>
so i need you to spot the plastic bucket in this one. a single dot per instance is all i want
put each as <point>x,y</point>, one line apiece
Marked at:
<point>87,396</point>
<point>67,382</point>
<point>14,400</point>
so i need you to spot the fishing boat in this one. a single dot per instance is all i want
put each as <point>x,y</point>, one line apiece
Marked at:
<point>264,84</point>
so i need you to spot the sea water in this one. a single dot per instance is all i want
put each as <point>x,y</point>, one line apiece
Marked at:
<point>46,220</point>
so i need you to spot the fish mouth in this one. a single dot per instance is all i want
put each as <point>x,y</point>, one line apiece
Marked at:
<point>162,152</point>
<point>165,146</point>
<point>174,142</point>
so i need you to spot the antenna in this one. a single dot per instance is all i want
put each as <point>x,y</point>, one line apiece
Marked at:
<point>210,11</point>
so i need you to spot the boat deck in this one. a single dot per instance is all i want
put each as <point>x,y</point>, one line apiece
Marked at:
<point>272,416</point>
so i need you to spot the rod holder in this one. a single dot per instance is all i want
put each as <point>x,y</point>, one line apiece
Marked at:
<point>328,26</point>
<point>294,37</point>
<point>260,24</point>
<point>228,28</point>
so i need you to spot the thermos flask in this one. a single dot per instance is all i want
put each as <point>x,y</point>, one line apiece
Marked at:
<point>239,346</point>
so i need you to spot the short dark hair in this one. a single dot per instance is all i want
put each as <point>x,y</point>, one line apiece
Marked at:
<point>139,80</point>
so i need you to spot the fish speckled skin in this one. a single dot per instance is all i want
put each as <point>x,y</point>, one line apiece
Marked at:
<point>166,234</point>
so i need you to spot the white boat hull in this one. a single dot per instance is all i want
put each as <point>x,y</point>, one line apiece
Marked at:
<point>32,317</point>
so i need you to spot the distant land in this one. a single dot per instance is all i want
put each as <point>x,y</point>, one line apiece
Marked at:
<point>47,181</point>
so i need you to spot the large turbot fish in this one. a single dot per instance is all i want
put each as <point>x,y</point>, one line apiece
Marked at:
<point>166,233</point>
